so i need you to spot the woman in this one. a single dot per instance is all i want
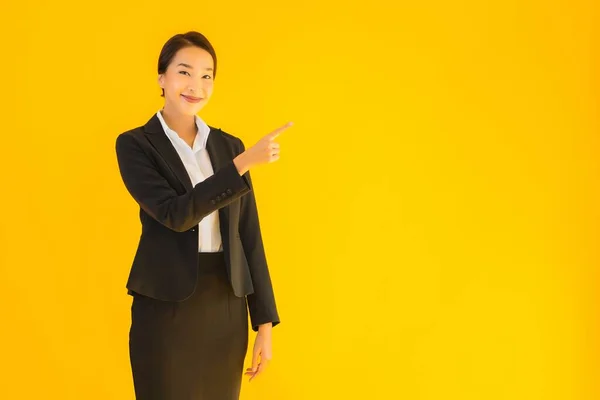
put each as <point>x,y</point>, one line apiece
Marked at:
<point>200,263</point>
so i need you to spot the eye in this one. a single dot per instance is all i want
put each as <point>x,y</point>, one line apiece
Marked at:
<point>184,72</point>
<point>207,77</point>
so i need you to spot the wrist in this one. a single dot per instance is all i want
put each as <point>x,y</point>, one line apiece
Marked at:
<point>241,164</point>
<point>265,327</point>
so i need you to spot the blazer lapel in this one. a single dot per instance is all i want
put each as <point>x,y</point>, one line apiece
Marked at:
<point>217,152</point>
<point>215,146</point>
<point>163,145</point>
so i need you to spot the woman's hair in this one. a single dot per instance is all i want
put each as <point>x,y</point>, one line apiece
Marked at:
<point>180,41</point>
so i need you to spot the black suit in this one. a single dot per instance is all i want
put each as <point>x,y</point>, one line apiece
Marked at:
<point>165,264</point>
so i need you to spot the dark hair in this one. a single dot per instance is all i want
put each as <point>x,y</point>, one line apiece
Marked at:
<point>179,42</point>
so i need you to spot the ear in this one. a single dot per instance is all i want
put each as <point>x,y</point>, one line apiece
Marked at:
<point>161,80</point>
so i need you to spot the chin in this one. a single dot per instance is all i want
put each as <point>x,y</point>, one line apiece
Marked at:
<point>190,110</point>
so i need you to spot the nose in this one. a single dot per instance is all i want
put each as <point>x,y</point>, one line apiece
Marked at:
<point>194,91</point>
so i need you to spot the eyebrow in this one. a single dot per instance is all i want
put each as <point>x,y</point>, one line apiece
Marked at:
<point>190,67</point>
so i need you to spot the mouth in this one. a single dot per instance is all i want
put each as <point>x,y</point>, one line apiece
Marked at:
<point>192,99</point>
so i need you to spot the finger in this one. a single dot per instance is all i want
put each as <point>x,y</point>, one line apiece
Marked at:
<point>251,375</point>
<point>263,361</point>
<point>278,131</point>
<point>260,370</point>
<point>274,152</point>
<point>257,373</point>
<point>255,356</point>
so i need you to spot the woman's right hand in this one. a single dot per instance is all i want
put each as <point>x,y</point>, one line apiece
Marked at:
<point>266,150</point>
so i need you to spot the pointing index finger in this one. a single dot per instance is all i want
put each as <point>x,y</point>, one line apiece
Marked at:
<point>278,131</point>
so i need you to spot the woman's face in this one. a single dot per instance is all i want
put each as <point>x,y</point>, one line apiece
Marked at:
<point>188,80</point>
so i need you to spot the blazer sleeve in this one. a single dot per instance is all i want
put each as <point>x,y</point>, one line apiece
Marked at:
<point>261,303</point>
<point>156,197</point>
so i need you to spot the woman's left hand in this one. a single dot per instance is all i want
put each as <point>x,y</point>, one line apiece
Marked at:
<point>262,349</point>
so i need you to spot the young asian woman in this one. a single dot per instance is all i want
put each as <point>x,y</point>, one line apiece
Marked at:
<point>200,265</point>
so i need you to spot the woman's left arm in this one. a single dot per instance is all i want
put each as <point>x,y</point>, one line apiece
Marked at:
<point>261,303</point>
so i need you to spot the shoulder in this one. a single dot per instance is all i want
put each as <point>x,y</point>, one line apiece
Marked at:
<point>132,138</point>
<point>136,133</point>
<point>232,140</point>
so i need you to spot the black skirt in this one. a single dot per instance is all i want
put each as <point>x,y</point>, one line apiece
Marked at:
<point>194,349</point>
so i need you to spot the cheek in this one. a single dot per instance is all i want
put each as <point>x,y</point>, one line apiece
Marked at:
<point>176,85</point>
<point>208,87</point>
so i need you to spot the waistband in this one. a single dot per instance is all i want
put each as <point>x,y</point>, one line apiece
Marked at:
<point>211,261</point>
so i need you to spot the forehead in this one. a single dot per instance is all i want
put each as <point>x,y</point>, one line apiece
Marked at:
<point>194,56</point>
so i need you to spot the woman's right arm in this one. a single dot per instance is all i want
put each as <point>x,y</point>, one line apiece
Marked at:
<point>182,212</point>
<point>157,198</point>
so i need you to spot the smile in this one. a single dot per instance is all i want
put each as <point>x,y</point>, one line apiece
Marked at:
<point>192,99</point>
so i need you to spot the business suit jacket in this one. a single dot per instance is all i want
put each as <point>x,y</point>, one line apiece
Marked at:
<point>166,261</point>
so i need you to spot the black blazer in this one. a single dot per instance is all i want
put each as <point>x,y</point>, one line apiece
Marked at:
<point>166,261</point>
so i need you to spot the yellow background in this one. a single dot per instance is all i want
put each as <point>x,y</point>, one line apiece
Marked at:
<point>431,228</point>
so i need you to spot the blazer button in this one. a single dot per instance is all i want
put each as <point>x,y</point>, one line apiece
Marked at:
<point>212,201</point>
<point>224,194</point>
<point>193,229</point>
<point>218,198</point>
<point>229,191</point>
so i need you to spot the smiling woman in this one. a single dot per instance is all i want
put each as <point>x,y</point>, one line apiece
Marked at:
<point>200,263</point>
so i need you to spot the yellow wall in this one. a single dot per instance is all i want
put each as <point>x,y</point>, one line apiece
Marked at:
<point>431,228</point>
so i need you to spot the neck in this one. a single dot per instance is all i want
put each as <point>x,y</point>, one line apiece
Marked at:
<point>184,125</point>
